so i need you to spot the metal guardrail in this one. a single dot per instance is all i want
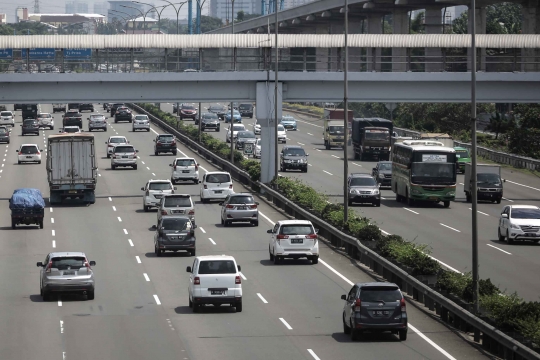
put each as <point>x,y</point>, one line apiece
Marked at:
<point>488,336</point>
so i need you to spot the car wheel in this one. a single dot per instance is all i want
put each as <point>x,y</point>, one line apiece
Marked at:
<point>134,167</point>
<point>13,225</point>
<point>156,153</point>
<point>446,204</point>
<point>226,223</point>
<point>239,307</point>
<point>508,239</point>
<point>192,252</point>
<point>402,335</point>
<point>270,253</point>
<point>410,202</point>
<point>39,162</point>
<point>501,237</point>
<point>108,156</point>
<point>350,202</point>
<point>378,203</point>
<point>190,302</point>
<point>196,307</point>
<point>174,153</point>
<point>46,296</point>
<point>41,224</point>
<point>276,259</point>
<point>355,335</point>
<point>91,295</point>
<point>222,222</point>
<point>19,162</point>
<point>146,208</point>
<point>498,200</point>
<point>346,328</point>
<point>157,251</point>
<point>113,167</point>
<point>314,260</point>
<point>256,223</point>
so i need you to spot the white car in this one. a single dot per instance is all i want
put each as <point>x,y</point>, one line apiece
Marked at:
<point>235,128</point>
<point>215,280</point>
<point>281,134</point>
<point>29,153</point>
<point>519,222</point>
<point>70,129</point>
<point>257,153</point>
<point>257,129</point>
<point>216,185</point>
<point>293,239</point>
<point>113,141</point>
<point>7,118</point>
<point>141,122</point>
<point>45,120</point>
<point>185,169</point>
<point>154,191</point>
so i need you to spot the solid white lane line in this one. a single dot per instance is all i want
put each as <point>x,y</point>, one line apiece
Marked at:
<point>261,297</point>
<point>267,218</point>
<point>384,232</point>
<point>299,143</point>
<point>119,219</point>
<point>285,323</point>
<point>130,242</point>
<point>52,220</point>
<point>212,241</point>
<point>317,149</point>
<point>446,265</point>
<point>53,232</point>
<point>200,167</point>
<point>504,251</point>
<point>483,213</point>
<point>337,157</point>
<point>429,341</point>
<point>527,186</point>
<point>50,209</point>
<point>310,165</point>
<point>143,162</point>
<point>313,354</point>
<point>59,302</point>
<point>243,277</point>
<point>508,199</point>
<point>327,172</point>
<point>414,212</point>
<point>157,300</point>
<point>114,208</point>
<point>336,272</point>
<point>204,232</point>
<point>110,199</point>
<point>461,184</point>
<point>125,231</point>
<point>146,277</point>
<point>138,259</point>
<point>53,243</point>
<point>450,227</point>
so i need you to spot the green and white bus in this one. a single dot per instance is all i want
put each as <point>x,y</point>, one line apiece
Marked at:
<point>423,170</point>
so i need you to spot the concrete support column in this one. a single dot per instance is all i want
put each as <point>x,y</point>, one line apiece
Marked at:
<point>335,54</point>
<point>264,107</point>
<point>480,15</point>
<point>355,53</point>
<point>434,25</point>
<point>531,25</point>
<point>322,54</point>
<point>400,19</point>
<point>374,26</point>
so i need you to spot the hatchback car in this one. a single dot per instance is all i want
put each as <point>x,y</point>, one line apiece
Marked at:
<point>293,157</point>
<point>154,191</point>
<point>97,122</point>
<point>363,188</point>
<point>141,122</point>
<point>165,143</point>
<point>175,233</point>
<point>244,137</point>
<point>239,208</point>
<point>382,173</point>
<point>5,134</point>
<point>236,115</point>
<point>281,134</point>
<point>176,204</point>
<point>289,122</point>
<point>45,120</point>
<point>235,129</point>
<point>374,307</point>
<point>185,169</point>
<point>123,114</point>
<point>124,155</point>
<point>113,141</point>
<point>188,112</point>
<point>30,126</point>
<point>66,272</point>
<point>215,280</point>
<point>293,239</point>
<point>29,153</point>
<point>519,222</point>
<point>210,121</point>
<point>7,118</point>
<point>216,185</point>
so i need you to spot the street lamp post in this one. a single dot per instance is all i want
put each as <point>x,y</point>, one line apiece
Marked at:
<point>157,12</point>
<point>130,17</point>
<point>177,13</point>
<point>234,69</point>
<point>346,118</point>
<point>142,13</point>
<point>276,26</point>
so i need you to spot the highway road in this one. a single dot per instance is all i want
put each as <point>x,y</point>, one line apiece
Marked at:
<point>291,311</point>
<point>447,231</point>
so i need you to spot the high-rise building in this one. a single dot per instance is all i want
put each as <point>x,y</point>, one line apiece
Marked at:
<point>223,8</point>
<point>287,4</point>
<point>76,6</point>
<point>21,14</point>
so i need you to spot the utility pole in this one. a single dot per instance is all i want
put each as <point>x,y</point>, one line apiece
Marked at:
<point>232,108</point>
<point>346,118</point>
<point>36,7</point>
<point>276,26</point>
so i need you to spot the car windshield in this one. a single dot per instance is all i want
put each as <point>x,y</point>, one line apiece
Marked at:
<point>118,140</point>
<point>286,118</point>
<point>440,173</point>
<point>245,106</point>
<point>176,224</point>
<point>160,186</point>
<point>280,128</point>
<point>166,138</point>
<point>188,107</point>
<point>97,117</point>
<point>124,149</point>
<point>380,135</point>
<point>65,263</point>
<point>29,150</point>
<point>246,134</point>
<point>217,267</point>
<point>385,166</point>
<point>122,109</point>
<point>380,294</point>
<point>141,117</point>
<point>488,179</point>
<point>218,178</point>
<point>185,162</point>
<point>297,230</point>
<point>525,213</point>
<point>71,129</point>
<point>462,154</point>
<point>239,128</point>
<point>216,108</point>
<point>335,129</point>
<point>235,112</point>
<point>244,199</point>
<point>363,181</point>
<point>210,117</point>
<point>5,113</point>
<point>294,152</point>
<point>177,201</point>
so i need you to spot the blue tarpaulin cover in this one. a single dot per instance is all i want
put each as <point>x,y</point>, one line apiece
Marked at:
<point>27,198</point>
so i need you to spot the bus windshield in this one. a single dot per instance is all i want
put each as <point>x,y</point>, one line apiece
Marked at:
<point>433,173</point>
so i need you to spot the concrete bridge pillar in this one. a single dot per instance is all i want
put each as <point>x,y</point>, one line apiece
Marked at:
<point>374,26</point>
<point>336,56</point>
<point>264,107</point>
<point>434,25</point>
<point>355,53</point>
<point>400,19</point>
<point>531,25</point>
<point>322,55</point>
<point>480,14</point>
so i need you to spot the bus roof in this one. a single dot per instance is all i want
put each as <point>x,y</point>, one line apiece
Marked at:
<point>421,147</point>
<point>423,142</point>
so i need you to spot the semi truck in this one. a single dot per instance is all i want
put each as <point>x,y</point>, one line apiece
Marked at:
<point>371,138</point>
<point>489,184</point>
<point>71,167</point>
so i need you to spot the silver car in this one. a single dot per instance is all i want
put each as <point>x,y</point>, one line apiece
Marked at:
<point>45,120</point>
<point>239,208</point>
<point>141,122</point>
<point>66,272</point>
<point>176,204</point>
<point>124,155</point>
<point>97,122</point>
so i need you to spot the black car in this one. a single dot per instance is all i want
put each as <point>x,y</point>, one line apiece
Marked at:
<point>246,110</point>
<point>4,134</point>
<point>106,106</point>
<point>89,107</point>
<point>73,106</point>
<point>164,143</point>
<point>173,233</point>
<point>374,307</point>
<point>219,110</point>
<point>114,107</point>
<point>244,137</point>
<point>382,172</point>
<point>59,108</point>
<point>123,114</point>
<point>293,157</point>
<point>17,107</point>
<point>210,121</point>
<point>30,126</point>
<point>72,118</point>
<point>362,188</point>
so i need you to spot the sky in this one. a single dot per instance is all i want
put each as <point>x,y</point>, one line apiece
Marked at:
<point>58,6</point>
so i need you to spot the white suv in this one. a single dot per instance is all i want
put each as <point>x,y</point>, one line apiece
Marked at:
<point>113,141</point>
<point>216,185</point>
<point>293,239</point>
<point>185,169</point>
<point>154,191</point>
<point>216,280</point>
<point>7,118</point>
<point>519,222</point>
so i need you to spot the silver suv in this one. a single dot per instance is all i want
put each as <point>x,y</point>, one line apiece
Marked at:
<point>239,207</point>
<point>176,204</point>
<point>124,155</point>
<point>97,121</point>
<point>66,272</point>
<point>363,188</point>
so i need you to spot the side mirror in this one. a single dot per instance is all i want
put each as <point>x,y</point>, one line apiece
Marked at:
<point>40,150</point>
<point>194,226</point>
<point>269,231</point>
<point>171,165</point>
<point>220,204</point>
<point>256,203</point>
<point>16,151</point>
<point>343,297</point>
<point>188,269</point>
<point>39,264</point>
<point>307,154</point>
<point>106,142</point>
<point>200,181</point>
<point>128,142</point>
<point>137,151</point>
<point>92,263</point>
<point>374,169</point>
<point>504,180</point>
<point>198,164</point>
<point>239,268</point>
<point>142,188</point>
<point>154,227</point>
<point>154,140</point>
<point>174,188</point>
<point>504,216</point>
<point>316,231</point>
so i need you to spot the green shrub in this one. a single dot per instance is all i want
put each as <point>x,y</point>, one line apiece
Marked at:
<point>453,282</point>
<point>369,232</point>
<point>485,288</point>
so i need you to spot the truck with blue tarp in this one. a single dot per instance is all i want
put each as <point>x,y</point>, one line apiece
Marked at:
<point>27,207</point>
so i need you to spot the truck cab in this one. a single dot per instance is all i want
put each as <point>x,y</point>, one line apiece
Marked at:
<point>333,132</point>
<point>489,182</point>
<point>371,138</point>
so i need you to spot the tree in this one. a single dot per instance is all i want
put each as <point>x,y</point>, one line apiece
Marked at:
<point>500,124</point>
<point>209,23</point>
<point>240,16</point>
<point>502,18</point>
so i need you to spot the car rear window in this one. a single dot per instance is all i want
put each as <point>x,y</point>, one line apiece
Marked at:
<point>3,130</point>
<point>188,107</point>
<point>218,178</point>
<point>5,113</point>
<point>375,294</point>
<point>239,128</point>
<point>141,117</point>
<point>118,140</point>
<point>241,200</point>
<point>124,149</point>
<point>280,127</point>
<point>45,115</point>
<point>177,202</point>
<point>29,150</point>
<point>165,138</point>
<point>185,162</point>
<point>246,134</point>
<point>29,122</point>
<point>210,117</point>
<point>217,267</point>
<point>160,186</point>
<point>71,129</point>
<point>176,224</point>
<point>72,262</point>
<point>245,106</point>
<point>525,213</point>
<point>297,230</point>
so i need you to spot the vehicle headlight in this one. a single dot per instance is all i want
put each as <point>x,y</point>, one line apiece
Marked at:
<point>375,192</point>
<point>381,176</point>
<point>451,193</point>
<point>415,191</point>
<point>514,226</point>
<point>353,191</point>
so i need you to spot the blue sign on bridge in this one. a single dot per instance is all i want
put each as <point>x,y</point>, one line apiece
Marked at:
<point>6,53</point>
<point>39,53</point>
<point>77,53</point>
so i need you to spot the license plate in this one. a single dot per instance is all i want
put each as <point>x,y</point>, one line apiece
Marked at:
<point>241,208</point>
<point>28,157</point>
<point>177,211</point>
<point>218,191</point>
<point>380,312</point>
<point>185,171</point>
<point>217,292</point>
<point>297,241</point>
<point>432,198</point>
<point>72,191</point>
<point>531,235</point>
<point>69,272</point>
<point>365,196</point>
<point>124,157</point>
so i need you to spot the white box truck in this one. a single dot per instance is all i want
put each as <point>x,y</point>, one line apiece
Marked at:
<point>489,183</point>
<point>71,167</point>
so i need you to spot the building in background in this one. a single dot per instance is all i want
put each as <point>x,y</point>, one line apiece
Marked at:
<point>3,19</point>
<point>287,4</point>
<point>86,22</point>
<point>101,7</point>
<point>125,12</point>
<point>21,14</point>
<point>222,9</point>
<point>76,6</point>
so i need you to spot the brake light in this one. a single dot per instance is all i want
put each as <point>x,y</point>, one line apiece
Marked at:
<point>357,305</point>
<point>87,265</point>
<point>238,280</point>
<point>174,167</point>
<point>206,187</point>
<point>311,236</point>
<point>196,281</point>
<point>230,186</point>
<point>38,153</point>
<point>163,212</point>
<point>282,237</point>
<point>253,206</point>
<point>196,167</point>
<point>20,152</point>
<point>147,193</point>
<point>49,266</point>
<point>229,206</point>
<point>191,212</point>
<point>402,304</point>
<point>158,143</point>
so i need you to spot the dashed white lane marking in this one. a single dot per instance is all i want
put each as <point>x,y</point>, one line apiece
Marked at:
<point>384,232</point>
<point>318,149</point>
<point>110,199</point>
<point>146,277</point>
<point>63,355</point>
<point>119,219</point>
<point>125,231</point>
<point>130,242</point>
<point>312,353</point>
<point>337,157</point>
<point>203,231</point>
<point>53,232</point>
<point>114,208</point>
<point>138,259</point>
<point>310,165</point>
<point>53,243</point>
<point>310,134</point>
<point>262,298</point>
<point>153,174</point>
<point>414,212</point>
<point>61,327</point>
<point>483,213</point>
<point>527,186</point>
<point>148,168</point>
<point>52,220</point>
<point>50,210</point>
<point>461,184</point>
<point>299,143</point>
<point>267,218</point>
<point>143,162</point>
<point>356,164</point>
<point>243,277</point>
<point>327,172</point>
<point>508,199</point>
<point>451,228</point>
<point>98,174</point>
<point>504,251</point>
<point>157,300</point>
<point>59,302</point>
<point>285,323</point>
<point>212,241</point>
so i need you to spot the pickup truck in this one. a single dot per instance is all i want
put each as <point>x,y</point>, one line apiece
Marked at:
<point>27,207</point>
